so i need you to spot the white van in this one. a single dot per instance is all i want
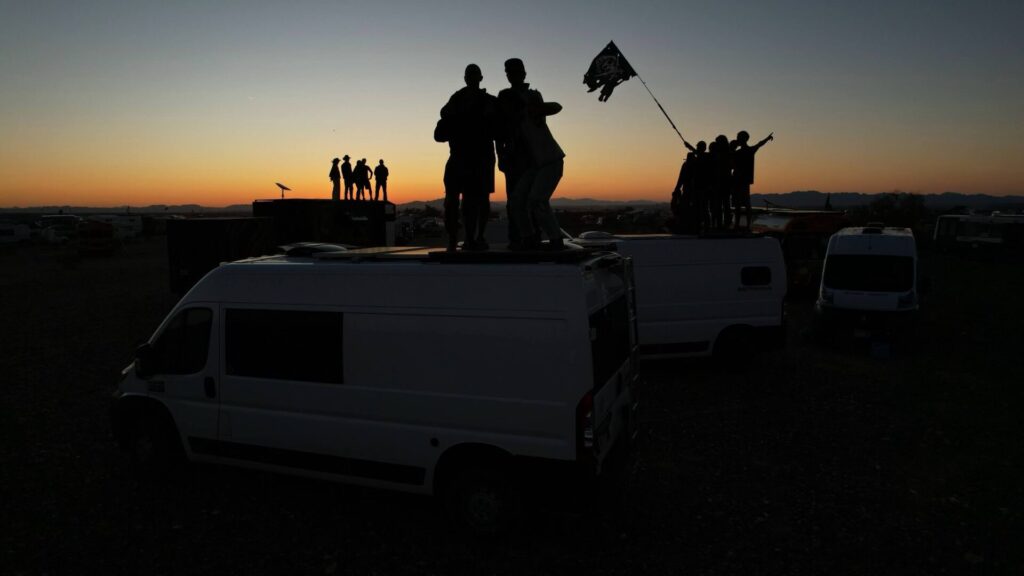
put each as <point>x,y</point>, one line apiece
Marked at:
<point>459,375</point>
<point>869,270</point>
<point>698,295</point>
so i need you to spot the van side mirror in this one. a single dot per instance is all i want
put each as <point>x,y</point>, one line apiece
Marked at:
<point>144,360</point>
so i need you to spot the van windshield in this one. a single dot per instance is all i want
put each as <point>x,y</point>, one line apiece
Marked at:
<point>869,273</point>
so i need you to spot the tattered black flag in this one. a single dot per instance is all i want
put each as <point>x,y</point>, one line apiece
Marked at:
<point>608,70</point>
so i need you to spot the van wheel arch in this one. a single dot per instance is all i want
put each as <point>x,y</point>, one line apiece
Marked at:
<point>474,487</point>
<point>146,431</point>
<point>734,342</point>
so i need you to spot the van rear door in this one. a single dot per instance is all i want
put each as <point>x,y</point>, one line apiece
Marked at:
<point>613,348</point>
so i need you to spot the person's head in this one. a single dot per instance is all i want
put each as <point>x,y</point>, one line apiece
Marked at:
<point>515,71</point>
<point>345,158</point>
<point>473,76</point>
<point>722,140</point>
<point>381,161</point>
<point>335,161</point>
<point>742,137</point>
<point>702,146</point>
<point>363,160</point>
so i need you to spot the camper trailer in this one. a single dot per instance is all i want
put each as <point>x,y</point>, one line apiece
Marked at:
<point>462,377</point>
<point>702,295</point>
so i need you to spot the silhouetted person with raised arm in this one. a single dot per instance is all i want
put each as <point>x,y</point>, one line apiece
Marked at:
<point>381,174</point>
<point>346,174</point>
<point>537,151</point>
<point>468,125</point>
<point>335,178</point>
<point>743,172</point>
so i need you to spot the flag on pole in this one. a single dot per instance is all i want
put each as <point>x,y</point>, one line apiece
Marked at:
<point>608,70</point>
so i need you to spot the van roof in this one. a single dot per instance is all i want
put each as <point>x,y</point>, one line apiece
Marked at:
<point>416,277</point>
<point>429,254</point>
<point>882,230</point>
<point>888,241</point>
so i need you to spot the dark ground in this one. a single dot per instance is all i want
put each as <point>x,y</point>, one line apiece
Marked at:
<point>811,461</point>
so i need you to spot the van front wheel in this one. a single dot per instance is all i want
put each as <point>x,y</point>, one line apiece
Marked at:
<point>153,445</point>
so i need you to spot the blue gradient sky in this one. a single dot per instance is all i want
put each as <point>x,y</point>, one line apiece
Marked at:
<point>212,102</point>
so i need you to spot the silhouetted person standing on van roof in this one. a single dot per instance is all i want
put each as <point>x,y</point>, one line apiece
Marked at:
<point>513,155</point>
<point>684,198</point>
<point>743,172</point>
<point>535,149</point>
<point>721,181</point>
<point>346,173</point>
<point>335,177</point>
<point>381,173</point>
<point>467,124</point>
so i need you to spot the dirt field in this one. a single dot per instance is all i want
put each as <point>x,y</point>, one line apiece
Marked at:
<point>810,461</point>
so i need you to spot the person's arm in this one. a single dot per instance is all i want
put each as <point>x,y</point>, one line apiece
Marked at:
<point>689,146</point>
<point>767,139</point>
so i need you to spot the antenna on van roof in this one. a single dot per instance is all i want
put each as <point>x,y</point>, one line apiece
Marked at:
<point>283,188</point>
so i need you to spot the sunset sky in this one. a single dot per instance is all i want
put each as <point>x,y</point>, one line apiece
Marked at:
<point>211,102</point>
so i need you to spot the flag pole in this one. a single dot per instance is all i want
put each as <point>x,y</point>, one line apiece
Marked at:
<point>662,108</point>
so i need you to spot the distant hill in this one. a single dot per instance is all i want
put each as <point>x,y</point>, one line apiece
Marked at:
<point>841,200</point>
<point>799,199</point>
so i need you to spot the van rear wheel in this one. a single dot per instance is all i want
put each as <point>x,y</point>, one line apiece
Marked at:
<point>481,499</point>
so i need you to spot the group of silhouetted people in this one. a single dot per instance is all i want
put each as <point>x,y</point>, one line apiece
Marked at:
<point>475,124</point>
<point>358,178</point>
<point>713,182</point>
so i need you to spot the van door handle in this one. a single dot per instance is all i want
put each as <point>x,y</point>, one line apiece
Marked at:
<point>210,387</point>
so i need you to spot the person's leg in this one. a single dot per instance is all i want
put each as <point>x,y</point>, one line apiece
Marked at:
<point>484,214</point>
<point>469,215</point>
<point>519,210</point>
<point>335,190</point>
<point>451,217</point>
<point>539,200</point>
<point>384,187</point>
<point>511,180</point>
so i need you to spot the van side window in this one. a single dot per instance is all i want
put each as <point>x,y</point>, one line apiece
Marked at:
<point>284,345</point>
<point>756,276</point>
<point>183,345</point>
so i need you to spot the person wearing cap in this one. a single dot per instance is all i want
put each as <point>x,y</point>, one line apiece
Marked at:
<point>531,159</point>
<point>346,174</point>
<point>335,177</point>
<point>467,125</point>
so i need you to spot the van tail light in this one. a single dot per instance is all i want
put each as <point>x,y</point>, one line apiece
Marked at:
<point>585,426</point>
<point>907,300</point>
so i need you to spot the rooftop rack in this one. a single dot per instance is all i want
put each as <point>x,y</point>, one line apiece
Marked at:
<point>439,255</point>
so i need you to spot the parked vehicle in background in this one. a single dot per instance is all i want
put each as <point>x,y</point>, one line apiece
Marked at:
<point>702,295</point>
<point>870,277</point>
<point>993,231</point>
<point>803,235</point>
<point>464,376</point>
<point>59,228</point>
<point>14,233</point>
